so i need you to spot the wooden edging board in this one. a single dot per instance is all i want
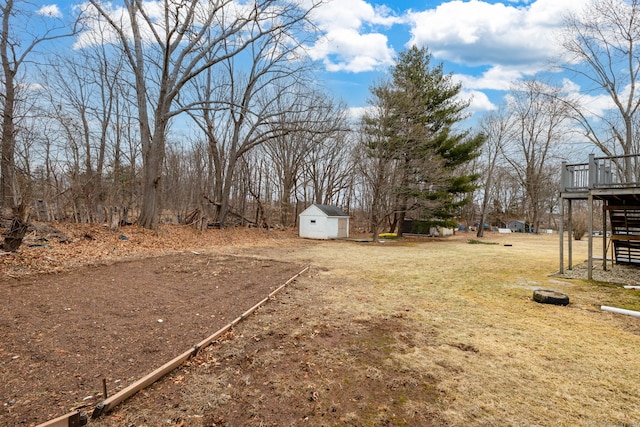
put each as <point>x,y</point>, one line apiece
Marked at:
<point>108,404</point>
<point>72,419</point>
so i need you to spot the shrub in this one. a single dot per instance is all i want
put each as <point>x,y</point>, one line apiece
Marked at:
<point>388,235</point>
<point>579,227</point>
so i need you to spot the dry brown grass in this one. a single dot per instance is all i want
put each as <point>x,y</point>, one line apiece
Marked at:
<point>499,357</point>
<point>446,329</point>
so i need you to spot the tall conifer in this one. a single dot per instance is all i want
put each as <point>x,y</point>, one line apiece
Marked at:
<point>427,150</point>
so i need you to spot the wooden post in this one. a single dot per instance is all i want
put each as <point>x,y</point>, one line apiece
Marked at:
<point>570,235</point>
<point>604,235</point>
<point>590,230</point>
<point>561,232</point>
<point>593,173</point>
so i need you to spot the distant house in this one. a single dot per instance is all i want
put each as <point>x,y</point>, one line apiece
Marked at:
<point>324,222</point>
<point>517,226</point>
<point>426,228</point>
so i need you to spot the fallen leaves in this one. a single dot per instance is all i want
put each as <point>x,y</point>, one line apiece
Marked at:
<point>71,245</point>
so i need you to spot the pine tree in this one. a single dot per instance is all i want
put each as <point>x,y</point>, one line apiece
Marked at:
<point>427,151</point>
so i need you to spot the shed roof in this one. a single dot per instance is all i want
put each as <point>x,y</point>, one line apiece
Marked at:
<point>331,210</point>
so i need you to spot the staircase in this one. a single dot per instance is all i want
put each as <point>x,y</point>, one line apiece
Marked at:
<point>625,233</point>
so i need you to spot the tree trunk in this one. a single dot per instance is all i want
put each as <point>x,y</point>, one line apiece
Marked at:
<point>150,209</point>
<point>485,204</point>
<point>153,157</point>
<point>11,197</point>
<point>225,193</point>
<point>13,239</point>
<point>7,164</point>
<point>7,161</point>
<point>18,229</point>
<point>480,232</point>
<point>286,214</point>
<point>403,200</point>
<point>114,216</point>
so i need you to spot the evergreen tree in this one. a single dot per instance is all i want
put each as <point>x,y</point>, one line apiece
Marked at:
<point>427,151</point>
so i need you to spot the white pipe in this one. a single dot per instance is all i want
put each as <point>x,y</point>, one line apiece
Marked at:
<point>632,287</point>
<point>620,311</point>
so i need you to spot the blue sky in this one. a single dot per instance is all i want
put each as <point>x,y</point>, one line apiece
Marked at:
<point>486,44</point>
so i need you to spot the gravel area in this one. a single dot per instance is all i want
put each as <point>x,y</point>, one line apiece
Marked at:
<point>620,274</point>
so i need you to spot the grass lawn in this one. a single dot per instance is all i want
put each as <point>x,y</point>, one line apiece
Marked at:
<point>417,332</point>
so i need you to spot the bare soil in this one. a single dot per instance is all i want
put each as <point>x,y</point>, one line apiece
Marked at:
<point>68,325</point>
<point>413,332</point>
<point>64,333</point>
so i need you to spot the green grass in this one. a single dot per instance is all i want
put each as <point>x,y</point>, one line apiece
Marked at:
<point>478,242</point>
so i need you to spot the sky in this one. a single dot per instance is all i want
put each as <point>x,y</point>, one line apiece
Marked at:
<point>485,44</point>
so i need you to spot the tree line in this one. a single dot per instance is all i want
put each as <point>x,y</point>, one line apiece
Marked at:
<point>209,114</point>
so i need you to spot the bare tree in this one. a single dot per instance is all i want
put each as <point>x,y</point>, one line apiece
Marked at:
<point>508,196</point>
<point>495,127</point>
<point>375,158</point>
<point>538,128</point>
<point>603,49</point>
<point>287,154</point>
<point>122,171</point>
<point>166,53</point>
<point>314,123</point>
<point>22,31</point>
<point>329,169</point>
<point>247,102</point>
<point>90,103</point>
<point>255,191</point>
<point>326,167</point>
<point>83,92</point>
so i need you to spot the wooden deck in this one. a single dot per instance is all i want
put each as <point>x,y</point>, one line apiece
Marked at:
<point>616,182</point>
<point>602,177</point>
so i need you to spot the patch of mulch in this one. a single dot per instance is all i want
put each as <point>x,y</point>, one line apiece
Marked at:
<point>615,273</point>
<point>62,334</point>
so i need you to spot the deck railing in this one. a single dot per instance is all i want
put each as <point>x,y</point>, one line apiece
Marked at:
<point>601,172</point>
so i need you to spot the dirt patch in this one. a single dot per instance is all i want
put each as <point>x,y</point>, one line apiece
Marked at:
<point>418,333</point>
<point>294,363</point>
<point>62,334</point>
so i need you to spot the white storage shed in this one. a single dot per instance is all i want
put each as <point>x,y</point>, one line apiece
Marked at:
<point>324,222</point>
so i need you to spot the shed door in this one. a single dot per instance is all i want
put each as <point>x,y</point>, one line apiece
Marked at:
<point>342,227</point>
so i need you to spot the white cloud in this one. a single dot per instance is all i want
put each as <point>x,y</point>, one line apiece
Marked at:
<point>478,33</point>
<point>495,78</point>
<point>352,14</point>
<point>479,101</point>
<point>52,11</point>
<point>356,113</point>
<point>96,30</point>
<point>569,86</point>
<point>347,50</point>
<point>351,41</point>
<point>595,106</point>
<point>31,87</point>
